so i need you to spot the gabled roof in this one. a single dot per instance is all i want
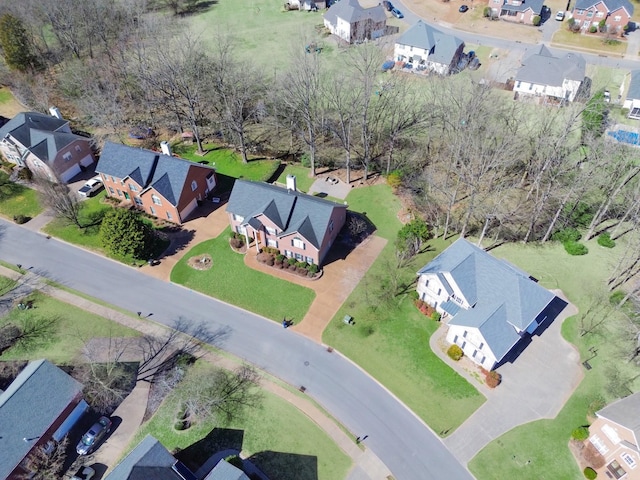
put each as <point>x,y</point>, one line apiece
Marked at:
<point>624,412</point>
<point>534,5</point>
<point>167,175</point>
<point>350,11</point>
<point>28,408</point>
<point>442,47</point>
<point>290,211</point>
<point>543,68</point>
<point>225,471</point>
<point>634,86</point>
<point>502,297</point>
<point>611,5</point>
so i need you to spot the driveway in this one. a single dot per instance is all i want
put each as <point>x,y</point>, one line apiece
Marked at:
<point>535,386</point>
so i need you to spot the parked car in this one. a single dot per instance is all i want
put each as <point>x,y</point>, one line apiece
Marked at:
<point>91,187</point>
<point>387,5</point>
<point>560,16</point>
<point>84,473</point>
<point>607,96</point>
<point>463,8</point>
<point>94,436</point>
<point>396,13</point>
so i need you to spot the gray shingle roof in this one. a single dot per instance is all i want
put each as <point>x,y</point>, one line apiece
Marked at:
<point>502,297</point>
<point>148,460</point>
<point>442,47</point>
<point>625,412</point>
<point>534,5</point>
<point>351,11</point>
<point>290,211</point>
<point>165,174</point>
<point>612,5</point>
<point>634,86</point>
<point>543,68</point>
<point>33,401</point>
<point>225,471</point>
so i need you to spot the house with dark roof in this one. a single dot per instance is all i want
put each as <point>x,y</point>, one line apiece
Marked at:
<point>616,14</point>
<point>151,460</point>
<point>41,405</point>
<point>157,183</point>
<point>616,435</point>
<point>353,23</point>
<point>632,100</point>
<point>488,304</point>
<point>301,226</point>
<point>520,11</point>
<point>543,75</point>
<point>45,145</point>
<point>423,46</point>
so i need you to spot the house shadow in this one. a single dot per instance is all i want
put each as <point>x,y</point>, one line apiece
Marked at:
<point>196,455</point>
<point>356,230</point>
<point>286,466</point>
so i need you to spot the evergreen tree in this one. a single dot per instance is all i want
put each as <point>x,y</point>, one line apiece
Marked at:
<point>15,44</point>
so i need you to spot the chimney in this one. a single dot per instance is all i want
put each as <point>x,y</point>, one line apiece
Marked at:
<point>165,147</point>
<point>55,112</point>
<point>291,182</point>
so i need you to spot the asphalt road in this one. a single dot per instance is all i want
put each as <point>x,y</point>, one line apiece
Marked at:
<point>407,446</point>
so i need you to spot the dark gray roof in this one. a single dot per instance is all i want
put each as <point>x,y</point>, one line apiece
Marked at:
<point>634,86</point>
<point>165,174</point>
<point>33,401</point>
<point>625,412</point>
<point>351,11</point>
<point>442,46</point>
<point>225,471</point>
<point>149,460</point>
<point>612,5</point>
<point>501,296</point>
<point>534,5</point>
<point>290,211</point>
<point>543,68</point>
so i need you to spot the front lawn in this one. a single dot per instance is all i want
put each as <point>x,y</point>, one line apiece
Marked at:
<point>277,437</point>
<point>232,281</point>
<point>73,327</point>
<point>564,37</point>
<point>380,206</point>
<point>17,199</point>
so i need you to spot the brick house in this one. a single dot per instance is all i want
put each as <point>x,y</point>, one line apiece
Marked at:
<point>301,226</point>
<point>41,405</point>
<point>353,23</point>
<point>157,183</point>
<point>615,13</point>
<point>45,145</point>
<point>520,11</point>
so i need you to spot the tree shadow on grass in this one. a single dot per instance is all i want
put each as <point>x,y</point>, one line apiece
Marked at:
<point>197,454</point>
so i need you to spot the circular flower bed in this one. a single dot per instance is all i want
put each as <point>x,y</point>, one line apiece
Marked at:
<point>201,262</point>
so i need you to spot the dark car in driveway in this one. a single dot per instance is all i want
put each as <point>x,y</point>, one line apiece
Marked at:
<point>396,13</point>
<point>90,440</point>
<point>463,8</point>
<point>387,5</point>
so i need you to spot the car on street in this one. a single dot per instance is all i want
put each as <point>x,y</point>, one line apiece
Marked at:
<point>396,13</point>
<point>84,473</point>
<point>463,8</point>
<point>90,187</point>
<point>560,16</point>
<point>94,436</point>
<point>387,5</point>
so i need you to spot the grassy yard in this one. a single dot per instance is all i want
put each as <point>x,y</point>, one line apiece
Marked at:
<point>73,327</point>
<point>277,437</point>
<point>232,281</point>
<point>17,199</point>
<point>303,180</point>
<point>583,281</point>
<point>380,206</point>
<point>564,37</point>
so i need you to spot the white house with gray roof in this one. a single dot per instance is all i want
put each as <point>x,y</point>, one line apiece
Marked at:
<point>489,304</point>
<point>543,75</point>
<point>41,405</point>
<point>353,23</point>
<point>301,226</point>
<point>632,101</point>
<point>427,47</point>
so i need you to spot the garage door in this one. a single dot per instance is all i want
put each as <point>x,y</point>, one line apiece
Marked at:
<point>188,209</point>
<point>86,161</point>
<point>69,174</point>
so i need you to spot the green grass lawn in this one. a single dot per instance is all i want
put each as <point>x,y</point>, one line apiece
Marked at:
<point>232,281</point>
<point>303,180</point>
<point>73,327</point>
<point>5,95</point>
<point>588,42</point>
<point>17,199</point>
<point>278,438</point>
<point>380,206</point>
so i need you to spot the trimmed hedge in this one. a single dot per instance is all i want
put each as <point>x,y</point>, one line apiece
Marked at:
<point>604,240</point>
<point>590,473</point>
<point>455,352</point>
<point>575,248</point>
<point>580,433</point>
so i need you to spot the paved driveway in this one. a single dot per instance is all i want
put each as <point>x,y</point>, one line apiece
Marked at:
<point>535,386</point>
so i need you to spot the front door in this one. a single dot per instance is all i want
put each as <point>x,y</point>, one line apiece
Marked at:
<point>126,195</point>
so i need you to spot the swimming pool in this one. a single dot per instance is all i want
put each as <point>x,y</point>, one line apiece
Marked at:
<point>624,136</point>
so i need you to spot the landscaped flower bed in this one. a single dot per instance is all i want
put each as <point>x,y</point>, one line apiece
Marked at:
<point>273,258</point>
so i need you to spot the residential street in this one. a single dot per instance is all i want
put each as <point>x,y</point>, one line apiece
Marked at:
<point>395,435</point>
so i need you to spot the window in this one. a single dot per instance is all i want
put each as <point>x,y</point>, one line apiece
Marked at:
<point>599,444</point>
<point>119,193</point>
<point>309,260</point>
<point>152,210</point>
<point>155,199</point>
<point>455,339</point>
<point>481,345</point>
<point>67,156</point>
<point>271,231</point>
<point>299,257</point>
<point>241,230</point>
<point>519,83</point>
<point>474,353</point>
<point>628,459</point>
<point>331,225</point>
<point>531,86</point>
<point>194,186</point>
<point>138,200</point>
<point>439,291</point>
<point>133,188</point>
<point>238,218</point>
<point>169,217</point>
<point>426,282</point>
<point>113,179</point>
<point>589,14</point>
<point>78,148</point>
<point>464,344</point>
<point>599,14</point>
<point>111,191</point>
<point>617,18</point>
<point>288,253</point>
<point>271,242</point>
<point>579,11</point>
<point>296,242</point>
<point>616,470</point>
<point>483,359</point>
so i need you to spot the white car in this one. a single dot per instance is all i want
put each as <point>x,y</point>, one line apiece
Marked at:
<point>560,16</point>
<point>91,187</point>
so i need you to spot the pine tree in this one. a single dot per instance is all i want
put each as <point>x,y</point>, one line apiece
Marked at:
<point>15,45</point>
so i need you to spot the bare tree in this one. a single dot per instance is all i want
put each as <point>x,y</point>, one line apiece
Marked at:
<point>64,203</point>
<point>44,465</point>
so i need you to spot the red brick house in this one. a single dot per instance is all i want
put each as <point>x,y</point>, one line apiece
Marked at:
<point>161,185</point>
<point>41,405</point>
<point>615,13</point>
<point>45,145</point>
<point>301,226</point>
<point>520,11</point>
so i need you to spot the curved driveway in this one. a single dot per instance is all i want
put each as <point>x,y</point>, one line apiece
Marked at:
<point>407,446</point>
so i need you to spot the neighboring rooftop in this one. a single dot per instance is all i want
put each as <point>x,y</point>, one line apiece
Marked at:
<point>441,46</point>
<point>543,68</point>
<point>534,5</point>
<point>351,11</point>
<point>634,85</point>
<point>612,5</point>
<point>624,412</point>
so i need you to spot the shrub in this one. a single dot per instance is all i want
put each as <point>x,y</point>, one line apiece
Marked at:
<point>25,174</point>
<point>302,265</point>
<point>20,219</point>
<point>394,179</point>
<point>566,234</point>
<point>616,297</point>
<point>313,269</point>
<point>493,379</point>
<point>305,160</point>
<point>575,248</point>
<point>435,316</point>
<point>455,352</point>
<point>536,21</point>
<point>580,434</point>
<point>593,29</point>
<point>280,258</point>
<point>604,240</point>
<point>486,13</point>
<point>236,242</point>
<point>291,262</point>
<point>590,473</point>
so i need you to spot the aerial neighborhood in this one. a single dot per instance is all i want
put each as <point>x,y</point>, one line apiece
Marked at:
<point>319,240</point>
